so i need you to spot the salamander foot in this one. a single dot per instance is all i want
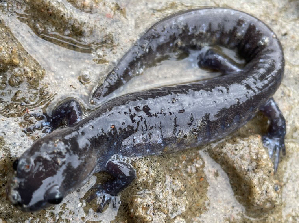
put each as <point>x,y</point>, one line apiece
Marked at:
<point>275,146</point>
<point>274,139</point>
<point>123,174</point>
<point>67,113</point>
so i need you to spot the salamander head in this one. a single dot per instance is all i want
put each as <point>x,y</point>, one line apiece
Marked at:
<point>47,172</point>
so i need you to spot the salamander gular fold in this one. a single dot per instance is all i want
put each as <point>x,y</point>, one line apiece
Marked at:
<point>160,120</point>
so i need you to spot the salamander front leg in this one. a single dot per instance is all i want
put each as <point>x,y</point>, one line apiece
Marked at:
<point>274,139</point>
<point>67,113</point>
<point>123,174</point>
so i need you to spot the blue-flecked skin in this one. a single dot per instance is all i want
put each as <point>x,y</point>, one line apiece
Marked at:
<point>155,121</point>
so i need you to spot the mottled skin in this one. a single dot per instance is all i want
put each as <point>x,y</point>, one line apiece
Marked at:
<point>165,119</point>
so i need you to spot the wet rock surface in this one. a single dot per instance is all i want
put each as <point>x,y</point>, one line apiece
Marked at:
<point>250,172</point>
<point>169,188</point>
<point>20,77</point>
<point>228,181</point>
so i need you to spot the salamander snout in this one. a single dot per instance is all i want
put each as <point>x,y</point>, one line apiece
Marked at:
<point>19,198</point>
<point>34,185</point>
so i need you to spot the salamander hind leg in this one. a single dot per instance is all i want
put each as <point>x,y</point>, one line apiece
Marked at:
<point>123,174</point>
<point>215,59</point>
<point>274,139</point>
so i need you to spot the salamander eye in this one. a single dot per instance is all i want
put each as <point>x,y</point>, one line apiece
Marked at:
<point>53,196</point>
<point>25,165</point>
<point>15,164</point>
<point>55,200</point>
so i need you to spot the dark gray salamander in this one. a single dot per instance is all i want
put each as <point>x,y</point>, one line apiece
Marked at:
<point>166,119</point>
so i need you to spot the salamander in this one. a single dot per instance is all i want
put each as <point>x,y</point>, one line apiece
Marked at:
<point>159,120</point>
